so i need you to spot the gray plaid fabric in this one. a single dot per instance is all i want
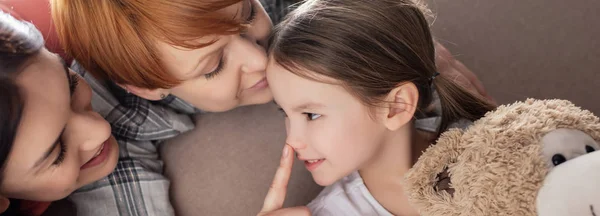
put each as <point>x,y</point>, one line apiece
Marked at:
<point>137,186</point>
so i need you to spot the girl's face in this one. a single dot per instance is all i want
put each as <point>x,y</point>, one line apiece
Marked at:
<point>228,73</point>
<point>61,144</point>
<point>332,132</point>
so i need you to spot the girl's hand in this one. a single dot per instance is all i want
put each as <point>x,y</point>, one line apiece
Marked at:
<point>273,204</point>
<point>456,71</point>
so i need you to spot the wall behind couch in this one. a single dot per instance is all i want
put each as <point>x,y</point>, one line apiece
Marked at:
<point>520,49</point>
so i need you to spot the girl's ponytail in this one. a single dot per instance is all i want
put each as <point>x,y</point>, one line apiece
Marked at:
<point>457,103</point>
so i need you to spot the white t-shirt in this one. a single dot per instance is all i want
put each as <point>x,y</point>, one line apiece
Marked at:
<point>348,197</point>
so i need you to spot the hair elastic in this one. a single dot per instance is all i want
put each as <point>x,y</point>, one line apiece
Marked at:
<point>433,77</point>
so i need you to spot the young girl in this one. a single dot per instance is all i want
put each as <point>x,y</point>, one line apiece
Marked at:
<point>358,83</point>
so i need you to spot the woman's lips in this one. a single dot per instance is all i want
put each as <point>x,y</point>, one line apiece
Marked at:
<point>260,84</point>
<point>100,156</point>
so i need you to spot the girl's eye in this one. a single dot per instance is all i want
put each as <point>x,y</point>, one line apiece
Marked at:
<point>312,116</point>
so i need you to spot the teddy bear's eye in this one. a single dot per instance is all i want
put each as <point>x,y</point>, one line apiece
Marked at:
<point>589,149</point>
<point>558,159</point>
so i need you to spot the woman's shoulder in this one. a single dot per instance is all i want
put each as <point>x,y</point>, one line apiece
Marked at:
<point>135,117</point>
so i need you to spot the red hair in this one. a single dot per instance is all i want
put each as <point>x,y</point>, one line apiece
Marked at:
<point>116,39</point>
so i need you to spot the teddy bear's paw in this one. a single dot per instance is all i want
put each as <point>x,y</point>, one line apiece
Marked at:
<point>444,183</point>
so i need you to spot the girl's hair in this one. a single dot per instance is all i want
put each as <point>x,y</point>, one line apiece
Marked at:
<point>116,39</point>
<point>19,43</point>
<point>372,47</point>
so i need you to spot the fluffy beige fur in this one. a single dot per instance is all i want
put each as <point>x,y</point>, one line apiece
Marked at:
<point>495,166</point>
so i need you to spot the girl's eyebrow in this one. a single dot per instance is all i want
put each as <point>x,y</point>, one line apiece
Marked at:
<point>308,106</point>
<point>304,106</point>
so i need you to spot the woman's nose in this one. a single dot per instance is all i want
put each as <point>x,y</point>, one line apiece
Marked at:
<point>87,131</point>
<point>254,53</point>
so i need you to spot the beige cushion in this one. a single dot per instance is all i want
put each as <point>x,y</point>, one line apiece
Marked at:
<point>532,48</point>
<point>225,165</point>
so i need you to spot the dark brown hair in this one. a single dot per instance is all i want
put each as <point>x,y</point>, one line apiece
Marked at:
<point>19,42</point>
<point>115,39</point>
<point>372,47</point>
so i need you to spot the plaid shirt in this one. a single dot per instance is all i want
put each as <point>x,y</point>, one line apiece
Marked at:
<point>137,186</point>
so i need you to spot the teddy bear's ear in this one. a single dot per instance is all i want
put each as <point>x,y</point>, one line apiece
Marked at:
<point>428,183</point>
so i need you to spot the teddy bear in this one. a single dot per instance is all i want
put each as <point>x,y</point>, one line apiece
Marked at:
<point>533,157</point>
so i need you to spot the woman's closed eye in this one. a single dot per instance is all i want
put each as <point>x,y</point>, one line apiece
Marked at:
<point>248,20</point>
<point>73,82</point>
<point>73,78</point>
<point>61,154</point>
<point>252,15</point>
<point>217,70</point>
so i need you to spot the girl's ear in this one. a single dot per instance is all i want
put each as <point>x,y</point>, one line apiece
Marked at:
<point>402,104</point>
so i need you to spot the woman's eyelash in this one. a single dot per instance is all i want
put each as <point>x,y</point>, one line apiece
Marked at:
<point>216,71</point>
<point>61,154</point>
<point>73,82</point>
<point>252,16</point>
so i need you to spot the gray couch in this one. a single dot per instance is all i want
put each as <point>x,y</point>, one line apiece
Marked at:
<point>519,49</point>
